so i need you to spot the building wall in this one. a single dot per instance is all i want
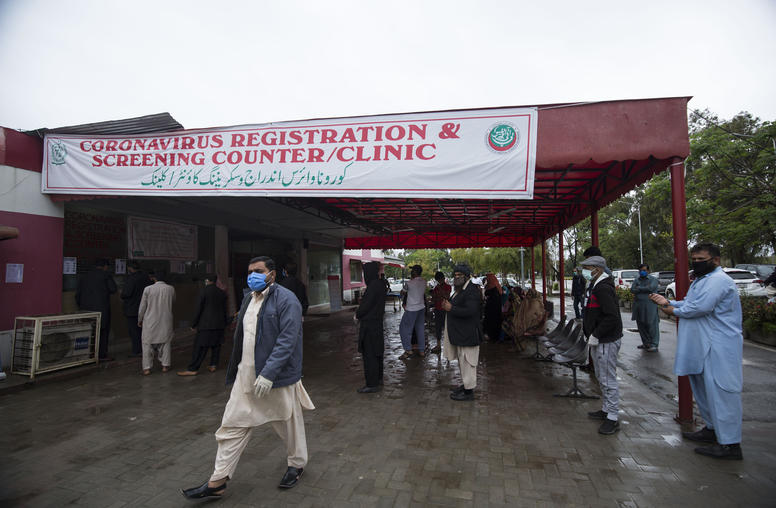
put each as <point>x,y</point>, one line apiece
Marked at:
<point>38,247</point>
<point>353,289</point>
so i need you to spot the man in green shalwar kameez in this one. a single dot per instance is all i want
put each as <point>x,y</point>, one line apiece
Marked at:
<point>645,312</point>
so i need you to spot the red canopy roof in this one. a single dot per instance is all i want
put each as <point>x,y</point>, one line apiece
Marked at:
<point>587,156</point>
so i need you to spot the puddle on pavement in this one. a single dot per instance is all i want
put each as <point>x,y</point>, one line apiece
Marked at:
<point>672,439</point>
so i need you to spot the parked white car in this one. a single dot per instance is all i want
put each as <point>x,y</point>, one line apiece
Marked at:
<point>624,278</point>
<point>397,286</point>
<point>746,283</point>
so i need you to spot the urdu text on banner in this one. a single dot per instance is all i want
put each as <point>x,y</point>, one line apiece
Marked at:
<point>482,154</point>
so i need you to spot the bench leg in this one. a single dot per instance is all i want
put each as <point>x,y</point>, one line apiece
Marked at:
<point>537,356</point>
<point>575,392</point>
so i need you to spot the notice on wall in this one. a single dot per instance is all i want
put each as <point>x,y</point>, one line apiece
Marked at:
<point>157,239</point>
<point>484,154</point>
<point>69,265</point>
<point>121,267</point>
<point>335,293</point>
<point>14,273</point>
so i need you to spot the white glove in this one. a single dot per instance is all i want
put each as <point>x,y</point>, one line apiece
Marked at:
<point>592,341</point>
<point>262,386</point>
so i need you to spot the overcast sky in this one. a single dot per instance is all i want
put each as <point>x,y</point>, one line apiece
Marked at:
<point>220,63</point>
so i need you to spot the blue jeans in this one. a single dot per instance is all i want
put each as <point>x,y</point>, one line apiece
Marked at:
<point>413,319</point>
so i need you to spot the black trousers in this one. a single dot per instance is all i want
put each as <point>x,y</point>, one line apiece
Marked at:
<point>199,353</point>
<point>135,334</point>
<point>372,347</point>
<point>439,324</point>
<point>579,301</point>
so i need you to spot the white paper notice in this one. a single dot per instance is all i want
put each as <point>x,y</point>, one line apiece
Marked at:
<point>69,266</point>
<point>14,273</point>
<point>121,266</point>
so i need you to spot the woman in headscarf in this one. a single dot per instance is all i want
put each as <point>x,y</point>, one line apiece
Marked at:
<point>492,321</point>
<point>531,314</point>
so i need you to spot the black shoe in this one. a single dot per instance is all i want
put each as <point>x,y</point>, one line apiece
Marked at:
<point>457,389</point>
<point>368,389</point>
<point>609,427</point>
<point>641,346</point>
<point>705,435</point>
<point>722,451</point>
<point>598,415</point>
<point>203,491</point>
<point>463,395</point>
<point>291,477</point>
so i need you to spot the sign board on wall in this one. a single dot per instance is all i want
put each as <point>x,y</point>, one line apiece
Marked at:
<point>487,154</point>
<point>69,265</point>
<point>158,239</point>
<point>14,273</point>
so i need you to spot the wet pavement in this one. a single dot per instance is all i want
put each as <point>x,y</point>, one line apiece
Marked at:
<point>114,438</point>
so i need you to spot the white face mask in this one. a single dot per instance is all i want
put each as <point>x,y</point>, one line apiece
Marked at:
<point>587,274</point>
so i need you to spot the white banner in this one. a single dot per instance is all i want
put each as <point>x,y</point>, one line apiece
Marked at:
<point>158,239</point>
<point>488,154</point>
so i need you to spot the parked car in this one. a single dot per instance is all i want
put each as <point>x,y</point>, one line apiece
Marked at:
<point>624,278</point>
<point>671,288</point>
<point>397,286</point>
<point>746,283</point>
<point>762,271</point>
<point>663,280</point>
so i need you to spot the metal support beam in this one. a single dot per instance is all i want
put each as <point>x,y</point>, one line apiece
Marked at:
<point>544,270</point>
<point>679,212</point>
<point>533,269</point>
<point>561,277</point>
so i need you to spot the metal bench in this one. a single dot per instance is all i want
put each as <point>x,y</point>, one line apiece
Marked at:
<point>575,355</point>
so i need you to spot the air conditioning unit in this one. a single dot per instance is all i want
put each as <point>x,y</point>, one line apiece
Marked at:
<point>53,342</point>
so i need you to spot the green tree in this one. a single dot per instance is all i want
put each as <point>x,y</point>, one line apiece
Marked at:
<point>731,184</point>
<point>430,259</point>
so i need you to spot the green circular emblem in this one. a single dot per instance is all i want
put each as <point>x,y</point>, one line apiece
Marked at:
<point>502,137</point>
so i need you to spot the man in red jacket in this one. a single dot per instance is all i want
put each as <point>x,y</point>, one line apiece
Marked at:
<point>602,325</point>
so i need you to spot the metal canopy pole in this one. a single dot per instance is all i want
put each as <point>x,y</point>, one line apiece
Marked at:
<point>679,212</point>
<point>641,246</point>
<point>561,276</point>
<point>594,228</point>
<point>533,269</point>
<point>544,270</point>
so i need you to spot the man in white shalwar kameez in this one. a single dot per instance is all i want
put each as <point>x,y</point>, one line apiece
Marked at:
<point>267,380</point>
<point>154,316</point>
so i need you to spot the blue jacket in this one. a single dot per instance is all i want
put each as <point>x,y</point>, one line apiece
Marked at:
<point>710,326</point>
<point>278,351</point>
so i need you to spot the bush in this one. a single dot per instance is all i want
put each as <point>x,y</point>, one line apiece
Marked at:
<point>758,315</point>
<point>624,295</point>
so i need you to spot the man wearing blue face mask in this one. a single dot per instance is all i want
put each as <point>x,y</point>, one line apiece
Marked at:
<point>266,369</point>
<point>644,310</point>
<point>709,350</point>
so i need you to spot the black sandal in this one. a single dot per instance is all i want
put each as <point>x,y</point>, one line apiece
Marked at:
<point>204,491</point>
